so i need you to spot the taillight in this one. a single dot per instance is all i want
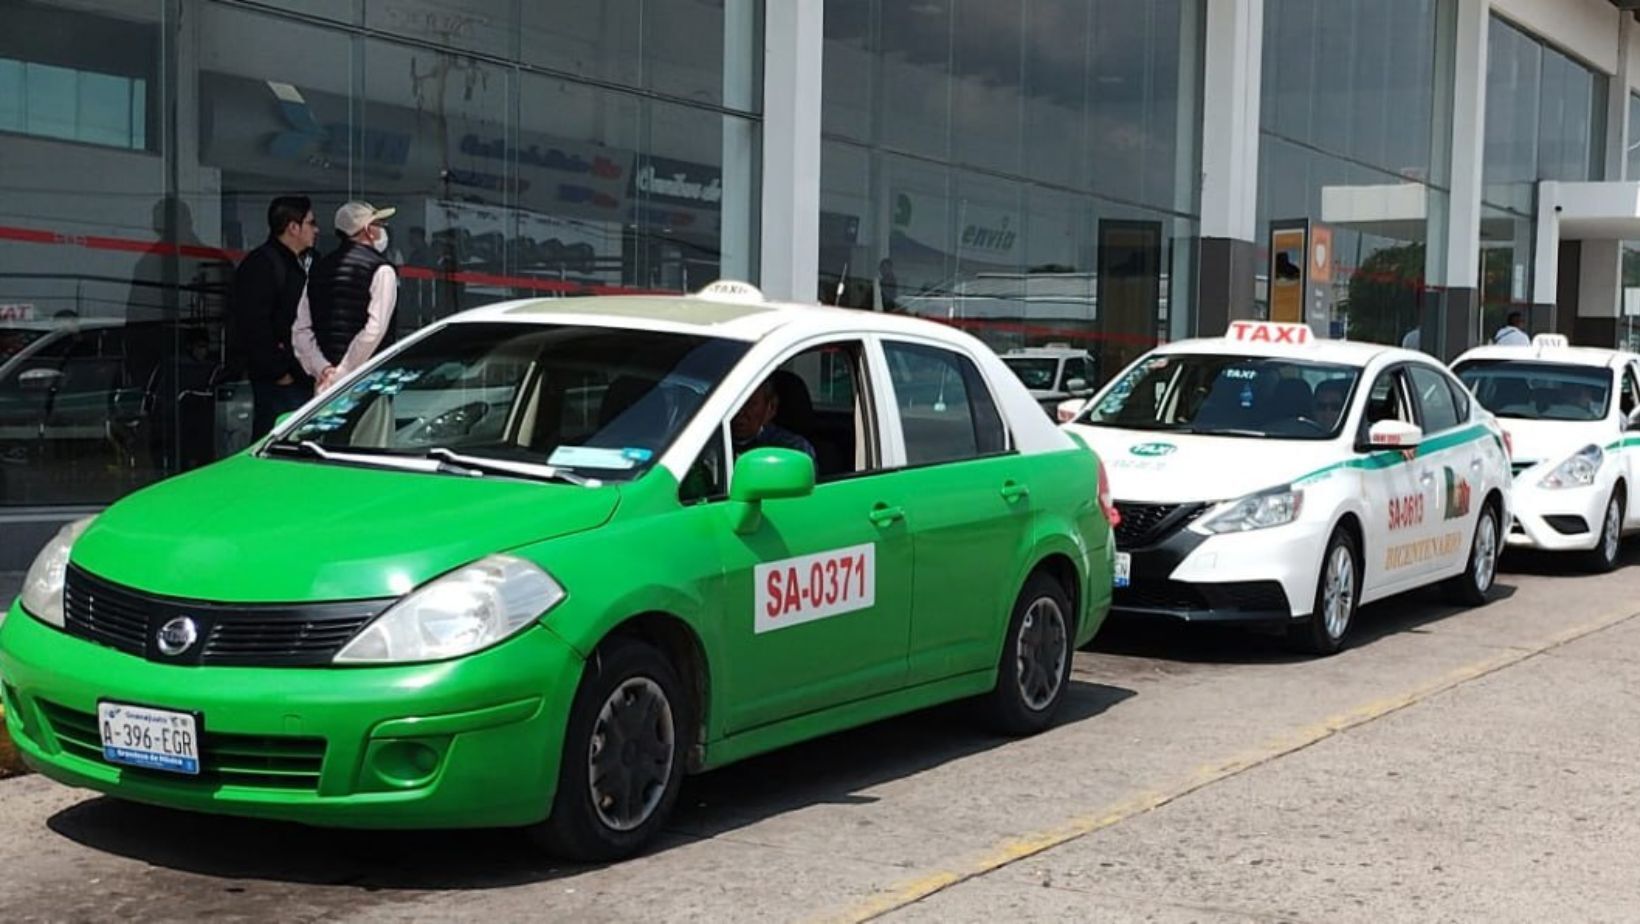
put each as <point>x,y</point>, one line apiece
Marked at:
<point>1105,503</point>
<point>1508,446</point>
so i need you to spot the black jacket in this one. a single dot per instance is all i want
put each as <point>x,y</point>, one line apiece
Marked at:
<point>266,288</point>
<point>339,298</point>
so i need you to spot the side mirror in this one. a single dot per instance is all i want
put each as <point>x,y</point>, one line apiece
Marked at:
<point>1076,384</point>
<point>1632,421</point>
<point>1067,410</point>
<point>768,474</point>
<point>39,379</point>
<point>1394,434</point>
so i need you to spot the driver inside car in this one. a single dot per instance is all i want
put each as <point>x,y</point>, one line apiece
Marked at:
<point>1329,402</point>
<point>753,426</point>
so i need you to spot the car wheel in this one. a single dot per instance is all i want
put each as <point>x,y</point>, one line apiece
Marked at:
<point>1337,595</point>
<point>623,756</point>
<point>1474,586</point>
<point>1603,557</point>
<point>1036,660</point>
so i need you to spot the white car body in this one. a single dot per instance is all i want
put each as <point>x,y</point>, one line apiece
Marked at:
<point>1067,382</point>
<point>1414,513</point>
<point>1560,514</point>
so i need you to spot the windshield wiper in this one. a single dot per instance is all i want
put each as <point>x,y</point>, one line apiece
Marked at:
<point>303,448</point>
<point>371,459</point>
<point>1228,431</point>
<point>457,463</point>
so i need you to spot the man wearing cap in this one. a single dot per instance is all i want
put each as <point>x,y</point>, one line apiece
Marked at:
<point>346,313</point>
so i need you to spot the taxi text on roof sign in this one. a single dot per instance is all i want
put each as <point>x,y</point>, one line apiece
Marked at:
<point>1269,332</point>
<point>1551,341</point>
<point>731,290</point>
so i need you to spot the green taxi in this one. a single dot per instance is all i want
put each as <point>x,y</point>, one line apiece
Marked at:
<point>542,559</point>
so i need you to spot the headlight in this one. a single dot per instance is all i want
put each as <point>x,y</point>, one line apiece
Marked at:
<point>43,585</point>
<point>462,612</point>
<point>1258,511</point>
<point>1576,472</point>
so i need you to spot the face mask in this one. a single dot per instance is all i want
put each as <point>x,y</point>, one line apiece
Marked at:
<point>380,243</point>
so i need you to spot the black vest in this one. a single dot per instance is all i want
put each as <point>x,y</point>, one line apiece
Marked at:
<point>339,298</point>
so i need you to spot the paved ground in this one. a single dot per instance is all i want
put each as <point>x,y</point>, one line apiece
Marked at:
<point>1454,765</point>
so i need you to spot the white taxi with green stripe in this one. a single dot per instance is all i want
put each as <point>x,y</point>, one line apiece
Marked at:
<point>1571,416</point>
<point>1270,476</point>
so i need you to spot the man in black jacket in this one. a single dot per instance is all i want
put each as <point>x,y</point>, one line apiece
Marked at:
<point>346,313</point>
<point>266,288</point>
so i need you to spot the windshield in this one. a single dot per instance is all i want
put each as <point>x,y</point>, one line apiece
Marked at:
<point>599,401</point>
<point>1538,391</point>
<point>13,340</point>
<point>1036,372</point>
<point>1228,396</point>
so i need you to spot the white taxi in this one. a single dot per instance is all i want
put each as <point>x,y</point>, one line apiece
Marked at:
<point>1570,413</point>
<point>1272,477</point>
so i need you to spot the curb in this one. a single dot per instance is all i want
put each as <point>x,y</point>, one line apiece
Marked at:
<point>11,763</point>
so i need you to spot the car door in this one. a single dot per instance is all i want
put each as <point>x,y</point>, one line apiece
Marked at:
<point>1449,466</point>
<point>1627,441</point>
<point>818,595</point>
<point>1399,498</point>
<point>969,504</point>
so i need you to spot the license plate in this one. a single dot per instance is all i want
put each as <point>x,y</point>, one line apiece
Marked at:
<point>1124,569</point>
<point>155,739</point>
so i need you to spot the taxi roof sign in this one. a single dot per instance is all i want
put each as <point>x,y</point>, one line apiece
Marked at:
<point>1551,341</point>
<point>731,290</point>
<point>1270,332</point>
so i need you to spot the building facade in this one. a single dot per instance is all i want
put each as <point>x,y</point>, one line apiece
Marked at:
<point>1103,174</point>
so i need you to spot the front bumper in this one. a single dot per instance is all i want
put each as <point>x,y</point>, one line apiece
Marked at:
<point>1558,520</point>
<point>472,742</point>
<point>1263,576</point>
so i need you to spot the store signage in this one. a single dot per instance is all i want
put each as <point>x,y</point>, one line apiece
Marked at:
<point>549,159</point>
<point>17,312</point>
<point>678,185</point>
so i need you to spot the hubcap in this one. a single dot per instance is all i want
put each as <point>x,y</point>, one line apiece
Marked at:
<point>1614,530</point>
<point>1486,551</point>
<point>1043,648</point>
<point>1338,594</point>
<point>629,760</point>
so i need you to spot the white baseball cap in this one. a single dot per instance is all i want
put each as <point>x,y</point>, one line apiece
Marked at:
<point>354,217</point>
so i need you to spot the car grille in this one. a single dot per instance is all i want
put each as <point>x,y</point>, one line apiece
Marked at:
<point>1147,524</point>
<point>265,635</point>
<point>260,761</point>
<point>1178,596</point>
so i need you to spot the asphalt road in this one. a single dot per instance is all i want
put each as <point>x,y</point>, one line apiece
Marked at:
<point>1452,765</point>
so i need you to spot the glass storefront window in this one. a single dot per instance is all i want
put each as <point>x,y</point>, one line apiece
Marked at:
<point>1024,170</point>
<point>1545,119</point>
<point>511,177</point>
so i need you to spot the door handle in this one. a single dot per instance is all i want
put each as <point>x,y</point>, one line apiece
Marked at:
<point>1012,491</point>
<point>883,514</point>
<point>1427,478</point>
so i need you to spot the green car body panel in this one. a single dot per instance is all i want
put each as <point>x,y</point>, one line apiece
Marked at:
<point>476,740</point>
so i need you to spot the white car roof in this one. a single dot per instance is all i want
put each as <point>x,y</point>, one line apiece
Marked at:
<point>1045,352</point>
<point>1342,352</point>
<point>1569,356</point>
<point>706,314</point>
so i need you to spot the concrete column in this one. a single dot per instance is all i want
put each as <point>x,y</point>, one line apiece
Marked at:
<point>1617,104</point>
<point>793,34</point>
<point>1232,67</point>
<point>1599,287</point>
<point>1451,314</point>
<point>739,172</point>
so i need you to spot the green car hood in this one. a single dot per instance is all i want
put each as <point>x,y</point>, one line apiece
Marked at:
<point>275,530</point>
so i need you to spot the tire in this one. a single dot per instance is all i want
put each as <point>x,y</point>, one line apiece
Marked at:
<point>1474,586</point>
<point>1337,597</point>
<point>1603,557</point>
<point>633,693</point>
<point>1036,660</point>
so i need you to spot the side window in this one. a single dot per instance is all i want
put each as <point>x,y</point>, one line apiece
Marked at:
<point>1460,398</point>
<point>1386,401</point>
<point>1630,397</point>
<point>1077,368</point>
<point>1434,399</point>
<point>946,409</point>
<point>817,401</point>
